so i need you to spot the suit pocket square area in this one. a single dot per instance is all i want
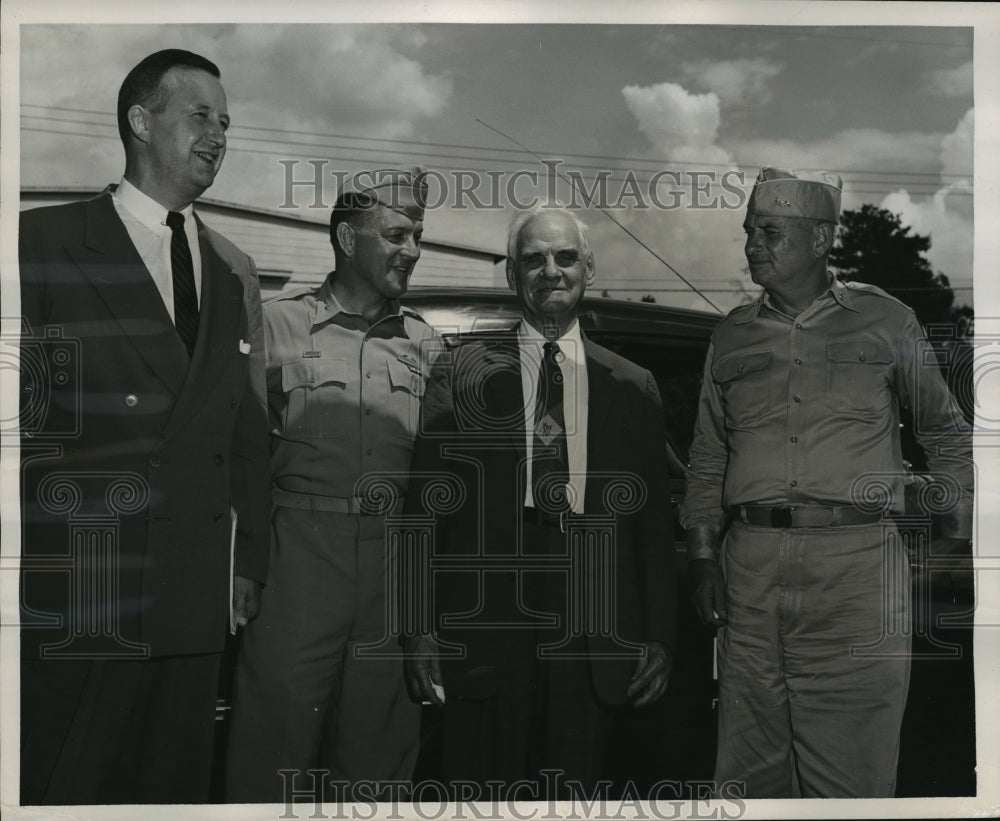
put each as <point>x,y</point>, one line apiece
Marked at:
<point>244,347</point>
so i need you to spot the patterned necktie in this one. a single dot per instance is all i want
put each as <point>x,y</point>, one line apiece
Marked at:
<point>185,295</point>
<point>550,461</point>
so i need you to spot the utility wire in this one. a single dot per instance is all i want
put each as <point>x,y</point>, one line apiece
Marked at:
<point>606,213</point>
<point>235,133</point>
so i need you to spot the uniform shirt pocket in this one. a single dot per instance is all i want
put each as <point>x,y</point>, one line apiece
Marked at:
<point>405,377</point>
<point>316,395</point>
<point>858,374</point>
<point>746,385</point>
<point>406,387</point>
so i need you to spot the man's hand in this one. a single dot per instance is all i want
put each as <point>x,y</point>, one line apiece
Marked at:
<point>652,673</point>
<point>708,591</point>
<point>246,600</point>
<point>422,668</point>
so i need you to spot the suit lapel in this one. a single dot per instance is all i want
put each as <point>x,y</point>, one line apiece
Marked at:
<point>220,315</point>
<point>503,391</point>
<point>600,389</point>
<point>110,261</point>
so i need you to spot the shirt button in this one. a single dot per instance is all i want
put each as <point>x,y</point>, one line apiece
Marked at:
<point>795,439</point>
<point>368,452</point>
<point>739,369</point>
<point>798,326</point>
<point>796,399</point>
<point>793,483</point>
<point>219,460</point>
<point>861,358</point>
<point>368,375</point>
<point>798,361</point>
<point>131,400</point>
<point>232,403</point>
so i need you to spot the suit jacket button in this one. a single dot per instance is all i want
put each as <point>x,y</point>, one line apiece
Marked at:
<point>131,400</point>
<point>154,461</point>
<point>218,459</point>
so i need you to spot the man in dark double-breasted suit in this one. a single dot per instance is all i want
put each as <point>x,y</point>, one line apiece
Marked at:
<point>539,480</point>
<point>144,459</point>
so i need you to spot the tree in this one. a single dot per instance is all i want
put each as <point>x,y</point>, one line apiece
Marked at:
<point>875,247</point>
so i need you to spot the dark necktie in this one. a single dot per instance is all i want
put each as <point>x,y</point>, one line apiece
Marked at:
<point>549,461</point>
<point>185,295</point>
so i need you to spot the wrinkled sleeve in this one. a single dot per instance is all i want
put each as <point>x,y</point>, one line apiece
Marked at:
<point>940,429</point>
<point>709,457</point>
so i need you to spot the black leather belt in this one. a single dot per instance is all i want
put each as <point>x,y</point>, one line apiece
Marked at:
<point>803,516</point>
<point>542,518</point>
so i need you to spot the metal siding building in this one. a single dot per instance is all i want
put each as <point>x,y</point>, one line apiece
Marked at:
<point>292,250</point>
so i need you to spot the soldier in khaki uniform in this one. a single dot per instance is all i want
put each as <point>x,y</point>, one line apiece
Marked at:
<point>345,373</point>
<point>797,430</point>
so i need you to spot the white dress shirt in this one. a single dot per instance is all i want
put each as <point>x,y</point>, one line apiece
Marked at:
<point>575,402</point>
<point>146,222</point>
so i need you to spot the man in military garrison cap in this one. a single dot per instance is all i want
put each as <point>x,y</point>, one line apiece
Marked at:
<point>798,423</point>
<point>345,373</point>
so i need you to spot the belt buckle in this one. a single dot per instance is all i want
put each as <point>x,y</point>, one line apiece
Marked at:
<point>781,516</point>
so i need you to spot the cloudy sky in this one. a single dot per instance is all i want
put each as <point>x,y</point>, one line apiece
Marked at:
<point>888,108</point>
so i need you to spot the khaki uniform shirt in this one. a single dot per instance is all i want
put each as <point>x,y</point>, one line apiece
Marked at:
<point>806,409</point>
<point>343,396</point>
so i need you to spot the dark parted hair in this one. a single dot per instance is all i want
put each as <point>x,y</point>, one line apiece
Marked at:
<point>142,86</point>
<point>354,208</point>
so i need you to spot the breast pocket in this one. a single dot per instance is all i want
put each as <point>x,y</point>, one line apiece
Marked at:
<point>746,386</point>
<point>316,394</point>
<point>858,376</point>
<point>406,389</point>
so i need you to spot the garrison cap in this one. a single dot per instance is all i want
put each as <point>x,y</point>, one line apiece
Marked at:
<point>399,190</point>
<point>785,192</point>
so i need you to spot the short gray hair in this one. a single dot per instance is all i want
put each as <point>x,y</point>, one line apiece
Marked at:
<point>522,218</point>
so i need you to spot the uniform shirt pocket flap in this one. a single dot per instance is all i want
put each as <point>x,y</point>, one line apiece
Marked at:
<point>859,351</point>
<point>405,377</point>
<point>311,373</point>
<point>738,366</point>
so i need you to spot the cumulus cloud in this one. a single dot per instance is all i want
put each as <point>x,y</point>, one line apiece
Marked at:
<point>678,124</point>
<point>734,81</point>
<point>947,215</point>
<point>345,79</point>
<point>374,87</point>
<point>951,82</point>
<point>956,148</point>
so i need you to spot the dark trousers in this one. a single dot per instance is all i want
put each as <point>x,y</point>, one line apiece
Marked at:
<point>544,713</point>
<point>118,732</point>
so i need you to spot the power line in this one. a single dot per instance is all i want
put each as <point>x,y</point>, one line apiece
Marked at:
<point>919,187</point>
<point>480,148</point>
<point>619,224</point>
